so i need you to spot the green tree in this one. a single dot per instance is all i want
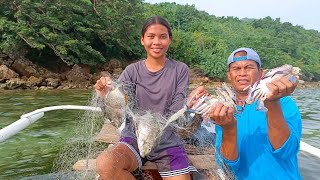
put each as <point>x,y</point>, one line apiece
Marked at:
<point>82,32</point>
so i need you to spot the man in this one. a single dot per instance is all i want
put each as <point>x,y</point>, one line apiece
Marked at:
<point>256,144</point>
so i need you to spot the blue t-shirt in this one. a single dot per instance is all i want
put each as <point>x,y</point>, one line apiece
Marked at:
<point>257,159</point>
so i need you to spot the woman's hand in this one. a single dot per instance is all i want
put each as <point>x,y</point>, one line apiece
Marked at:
<point>195,95</point>
<point>103,86</point>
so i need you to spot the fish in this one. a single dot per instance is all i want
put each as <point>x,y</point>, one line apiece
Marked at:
<point>148,129</point>
<point>189,125</point>
<point>259,90</point>
<point>115,105</point>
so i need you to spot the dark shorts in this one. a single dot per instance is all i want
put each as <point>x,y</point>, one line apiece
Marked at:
<point>169,155</point>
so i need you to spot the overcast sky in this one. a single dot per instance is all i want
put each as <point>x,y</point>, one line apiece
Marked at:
<point>305,13</point>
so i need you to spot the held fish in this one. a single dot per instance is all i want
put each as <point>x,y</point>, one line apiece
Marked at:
<point>259,90</point>
<point>225,95</point>
<point>114,105</point>
<point>148,131</point>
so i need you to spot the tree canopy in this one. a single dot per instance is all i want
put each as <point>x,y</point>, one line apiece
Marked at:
<point>93,32</point>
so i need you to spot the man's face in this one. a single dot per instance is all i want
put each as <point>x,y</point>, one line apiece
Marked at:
<point>244,73</point>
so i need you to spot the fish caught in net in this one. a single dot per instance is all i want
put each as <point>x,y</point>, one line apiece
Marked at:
<point>199,138</point>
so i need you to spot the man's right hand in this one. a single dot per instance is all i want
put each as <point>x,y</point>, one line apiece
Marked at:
<point>103,86</point>
<point>223,116</point>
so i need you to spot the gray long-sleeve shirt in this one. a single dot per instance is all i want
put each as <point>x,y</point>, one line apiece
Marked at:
<point>164,91</point>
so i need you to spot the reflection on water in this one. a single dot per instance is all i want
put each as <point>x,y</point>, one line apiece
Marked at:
<point>32,151</point>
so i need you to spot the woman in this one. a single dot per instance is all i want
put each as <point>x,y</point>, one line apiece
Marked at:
<point>161,86</point>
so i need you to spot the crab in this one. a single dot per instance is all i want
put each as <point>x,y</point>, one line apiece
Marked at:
<point>259,90</point>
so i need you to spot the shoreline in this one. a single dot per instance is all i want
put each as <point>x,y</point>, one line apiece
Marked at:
<point>208,84</point>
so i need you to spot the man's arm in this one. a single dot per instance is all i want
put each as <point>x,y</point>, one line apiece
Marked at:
<point>278,129</point>
<point>229,145</point>
<point>223,116</point>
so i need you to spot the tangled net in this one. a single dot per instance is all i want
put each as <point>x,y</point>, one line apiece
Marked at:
<point>199,139</point>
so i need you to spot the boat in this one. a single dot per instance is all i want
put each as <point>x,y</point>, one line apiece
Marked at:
<point>108,134</point>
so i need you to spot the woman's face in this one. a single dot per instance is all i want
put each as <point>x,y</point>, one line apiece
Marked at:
<point>156,41</point>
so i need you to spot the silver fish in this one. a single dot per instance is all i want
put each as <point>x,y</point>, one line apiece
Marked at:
<point>114,105</point>
<point>189,125</point>
<point>148,131</point>
<point>150,127</point>
<point>259,90</point>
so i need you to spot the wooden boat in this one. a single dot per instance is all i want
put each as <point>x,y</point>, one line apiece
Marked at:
<point>205,163</point>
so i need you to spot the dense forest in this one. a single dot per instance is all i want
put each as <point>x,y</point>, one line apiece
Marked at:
<point>94,32</point>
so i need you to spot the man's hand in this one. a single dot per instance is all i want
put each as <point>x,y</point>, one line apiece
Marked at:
<point>281,87</point>
<point>223,116</point>
<point>103,86</point>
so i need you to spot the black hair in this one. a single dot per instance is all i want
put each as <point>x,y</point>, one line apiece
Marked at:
<point>156,20</point>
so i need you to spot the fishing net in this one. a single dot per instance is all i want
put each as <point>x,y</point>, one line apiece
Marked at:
<point>81,145</point>
<point>84,143</point>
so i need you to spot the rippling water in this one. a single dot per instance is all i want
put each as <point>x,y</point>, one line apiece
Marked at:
<point>308,101</point>
<point>32,151</point>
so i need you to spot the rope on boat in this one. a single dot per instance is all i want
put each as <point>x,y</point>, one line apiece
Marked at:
<point>29,118</point>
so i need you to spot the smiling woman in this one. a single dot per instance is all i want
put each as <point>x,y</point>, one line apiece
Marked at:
<point>160,86</point>
<point>156,40</point>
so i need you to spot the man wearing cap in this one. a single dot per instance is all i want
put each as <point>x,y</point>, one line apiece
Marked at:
<point>256,144</point>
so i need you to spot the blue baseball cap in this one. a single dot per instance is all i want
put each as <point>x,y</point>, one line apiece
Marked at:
<point>251,55</point>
